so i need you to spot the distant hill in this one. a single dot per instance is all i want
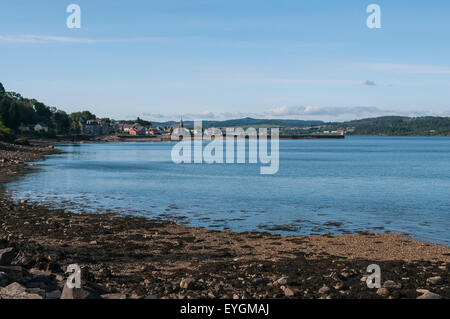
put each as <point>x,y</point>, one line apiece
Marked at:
<point>396,126</point>
<point>246,122</point>
<point>379,126</point>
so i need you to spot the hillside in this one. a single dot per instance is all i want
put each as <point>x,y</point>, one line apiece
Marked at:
<point>379,126</point>
<point>246,122</point>
<point>396,126</point>
<point>19,115</point>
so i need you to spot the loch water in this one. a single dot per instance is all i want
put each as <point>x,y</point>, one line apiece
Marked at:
<point>357,184</point>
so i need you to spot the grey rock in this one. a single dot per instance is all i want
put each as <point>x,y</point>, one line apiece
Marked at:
<point>38,272</point>
<point>281,281</point>
<point>288,292</point>
<point>17,291</point>
<point>384,292</point>
<point>211,295</point>
<point>339,285</point>
<point>422,291</point>
<point>187,283</point>
<point>435,280</point>
<point>429,295</point>
<point>324,289</point>
<point>7,256</point>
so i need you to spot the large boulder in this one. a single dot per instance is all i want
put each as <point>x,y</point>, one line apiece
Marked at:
<point>435,280</point>
<point>187,283</point>
<point>384,292</point>
<point>428,295</point>
<point>17,291</point>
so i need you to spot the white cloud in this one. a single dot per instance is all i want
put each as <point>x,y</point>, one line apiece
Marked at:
<point>319,110</point>
<point>156,116</point>
<point>41,39</point>
<point>186,116</point>
<point>296,112</point>
<point>199,40</point>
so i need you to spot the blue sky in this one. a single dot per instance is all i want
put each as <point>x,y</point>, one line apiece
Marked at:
<point>228,58</point>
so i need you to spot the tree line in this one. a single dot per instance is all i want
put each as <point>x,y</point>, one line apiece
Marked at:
<point>397,126</point>
<point>16,110</point>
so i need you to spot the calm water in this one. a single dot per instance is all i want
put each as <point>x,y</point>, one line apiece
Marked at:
<point>323,186</point>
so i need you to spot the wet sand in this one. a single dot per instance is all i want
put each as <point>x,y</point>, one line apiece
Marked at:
<point>140,258</point>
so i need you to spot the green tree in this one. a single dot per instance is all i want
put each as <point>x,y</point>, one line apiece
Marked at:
<point>85,115</point>
<point>62,122</point>
<point>143,122</point>
<point>6,133</point>
<point>76,117</point>
<point>43,112</point>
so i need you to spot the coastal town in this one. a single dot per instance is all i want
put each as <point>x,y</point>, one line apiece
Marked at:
<point>123,128</point>
<point>100,127</point>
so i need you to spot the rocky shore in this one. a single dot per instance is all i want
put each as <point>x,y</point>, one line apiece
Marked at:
<point>128,257</point>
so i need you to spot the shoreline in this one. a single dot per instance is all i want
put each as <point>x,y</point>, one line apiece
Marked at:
<point>134,139</point>
<point>139,258</point>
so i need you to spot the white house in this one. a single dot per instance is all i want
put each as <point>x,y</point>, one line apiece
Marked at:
<point>40,127</point>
